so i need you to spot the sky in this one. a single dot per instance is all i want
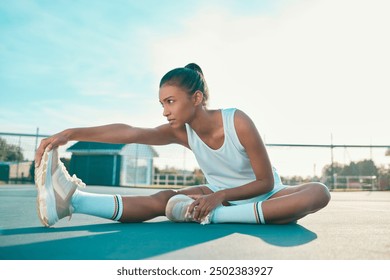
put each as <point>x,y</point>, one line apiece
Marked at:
<point>305,71</point>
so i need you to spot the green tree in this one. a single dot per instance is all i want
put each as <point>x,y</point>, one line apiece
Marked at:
<point>337,168</point>
<point>9,152</point>
<point>360,168</point>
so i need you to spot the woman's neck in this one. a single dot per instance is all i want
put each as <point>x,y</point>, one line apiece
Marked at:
<point>208,124</point>
<point>202,119</point>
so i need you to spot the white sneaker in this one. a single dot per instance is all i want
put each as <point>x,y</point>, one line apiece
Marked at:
<point>177,210</point>
<point>55,189</point>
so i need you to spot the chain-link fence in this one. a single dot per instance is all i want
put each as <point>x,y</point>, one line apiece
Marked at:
<point>16,156</point>
<point>110,164</point>
<point>339,167</point>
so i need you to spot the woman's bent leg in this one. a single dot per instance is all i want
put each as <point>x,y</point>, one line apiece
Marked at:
<point>293,203</point>
<point>286,206</point>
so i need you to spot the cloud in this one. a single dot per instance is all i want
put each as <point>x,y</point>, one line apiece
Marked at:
<point>309,64</point>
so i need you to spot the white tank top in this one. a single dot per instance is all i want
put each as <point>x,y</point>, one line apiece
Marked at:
<point>228,166</point>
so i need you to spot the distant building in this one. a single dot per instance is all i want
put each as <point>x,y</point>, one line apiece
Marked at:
<point>15,171</point>
<point>112,164</point>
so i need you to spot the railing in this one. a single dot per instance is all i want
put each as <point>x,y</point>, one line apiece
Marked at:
<point>177,179</point>
<point>354,182</point>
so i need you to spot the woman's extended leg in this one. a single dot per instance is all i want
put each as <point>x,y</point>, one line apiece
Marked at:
<point>131,208</point>
<point>59,196</point>
<point>142,208</point>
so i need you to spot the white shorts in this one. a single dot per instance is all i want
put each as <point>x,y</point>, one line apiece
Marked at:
<point>278,186</point>
<point>260,197</point>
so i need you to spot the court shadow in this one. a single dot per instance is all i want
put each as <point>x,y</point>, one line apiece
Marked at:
<point>140,240</point>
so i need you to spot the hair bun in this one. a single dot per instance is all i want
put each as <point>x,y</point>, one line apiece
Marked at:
<point>195,67</point>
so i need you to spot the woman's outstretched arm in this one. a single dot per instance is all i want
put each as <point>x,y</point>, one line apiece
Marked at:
<point>112,133</point>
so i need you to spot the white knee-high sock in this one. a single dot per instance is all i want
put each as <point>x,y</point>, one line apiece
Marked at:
<point>250,213</point>
<point>100,205</point>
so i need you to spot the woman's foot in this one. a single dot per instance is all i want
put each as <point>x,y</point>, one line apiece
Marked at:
<point>177,210</point>
<point>55,189</point>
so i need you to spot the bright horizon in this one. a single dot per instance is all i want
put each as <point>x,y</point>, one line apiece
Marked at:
<point>302,70</point>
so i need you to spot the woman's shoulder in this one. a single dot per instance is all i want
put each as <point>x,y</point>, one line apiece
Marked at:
<point>239,117</point>
<point>234,111</point>
<point>242,122</point>
<point>228,110</point>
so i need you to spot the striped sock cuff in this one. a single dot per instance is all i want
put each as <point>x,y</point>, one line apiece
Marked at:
<point>118,208</point>
<point>259,213</point>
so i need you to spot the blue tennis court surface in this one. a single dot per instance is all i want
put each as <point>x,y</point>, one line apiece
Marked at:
<point>354,226</point>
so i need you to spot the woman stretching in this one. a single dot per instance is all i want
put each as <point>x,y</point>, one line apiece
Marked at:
<point>242,186</point>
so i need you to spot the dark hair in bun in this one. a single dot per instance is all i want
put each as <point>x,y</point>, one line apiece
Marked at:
<point>195,67</point>
<point>190,78</point>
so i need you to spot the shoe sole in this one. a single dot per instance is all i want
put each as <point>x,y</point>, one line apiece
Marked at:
<point>46,202</point>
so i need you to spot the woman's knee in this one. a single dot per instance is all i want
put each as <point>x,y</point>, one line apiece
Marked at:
<point>162,197</point>
<point>321,194</point>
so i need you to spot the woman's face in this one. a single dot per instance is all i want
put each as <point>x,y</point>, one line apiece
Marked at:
<point>179,107</point>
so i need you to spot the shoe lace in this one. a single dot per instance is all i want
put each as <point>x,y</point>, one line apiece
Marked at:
<point>77,181</point>
<point>73,178</point>
<point>206,220</point>
<point>189,217</point>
